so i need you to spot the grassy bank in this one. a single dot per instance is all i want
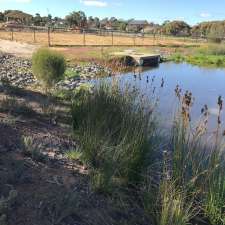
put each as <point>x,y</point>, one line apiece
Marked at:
<point>121,144</point>
<point>210,55</point>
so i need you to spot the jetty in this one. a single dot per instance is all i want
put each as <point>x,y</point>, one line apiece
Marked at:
<point>140,59</point>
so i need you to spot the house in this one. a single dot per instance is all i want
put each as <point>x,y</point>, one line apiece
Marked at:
<point>151,28</point>
<point>18,17</point>
<point>105,24</point>
<point>137,25</point>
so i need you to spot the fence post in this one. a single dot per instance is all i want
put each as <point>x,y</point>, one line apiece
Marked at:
<point>12,35</point>
<point>84,38</point>
<point>49,39</point>
<point>112,39</point>
<point>34,35</point>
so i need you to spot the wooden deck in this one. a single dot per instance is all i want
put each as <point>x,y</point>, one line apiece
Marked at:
<point>141,59</point>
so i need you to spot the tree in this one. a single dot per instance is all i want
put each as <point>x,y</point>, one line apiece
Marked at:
<point>49,17</point>
<point>121,25</point>
<point>165,22</point>
<point>77,19</point>
<point>176,28</point>
<point>37,19</point>
<point>91,21</point>
<point>209,29</point>
<point>2,16</point>
<point>217,32</point>
<point>97,22</point>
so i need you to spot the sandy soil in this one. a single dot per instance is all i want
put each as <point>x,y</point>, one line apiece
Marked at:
<point>76,39</point>
<point>17,48</point>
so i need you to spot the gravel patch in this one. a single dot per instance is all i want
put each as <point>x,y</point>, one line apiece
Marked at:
<point>19,73</point>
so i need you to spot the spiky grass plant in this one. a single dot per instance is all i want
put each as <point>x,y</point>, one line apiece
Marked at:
<point>115,129</point>
<point>177,207</point>
<point>198,167</point>
<point>214,191</point>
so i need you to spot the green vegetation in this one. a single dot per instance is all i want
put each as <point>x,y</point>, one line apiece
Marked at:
<point>71,74</point>
<point>210,55</point>
<point>176,28</point>
<point>213,49</point>
<point>213,30</point>
<point>120,144</point>
<point>48,66</point>
<point>31,149</point>
<point>200,59</point>
<point>73,155</point>
<point>114,134</point>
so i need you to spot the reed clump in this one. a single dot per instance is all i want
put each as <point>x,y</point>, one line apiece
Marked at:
<point>114,132</point>
<point>178,178</point>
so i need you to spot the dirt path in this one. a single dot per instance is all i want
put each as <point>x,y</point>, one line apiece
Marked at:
<point>17,48</point>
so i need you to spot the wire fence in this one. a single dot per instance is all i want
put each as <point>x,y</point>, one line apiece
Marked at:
<point>91,37</point>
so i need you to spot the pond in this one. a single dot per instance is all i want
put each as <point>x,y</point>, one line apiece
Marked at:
<point>206,85</point>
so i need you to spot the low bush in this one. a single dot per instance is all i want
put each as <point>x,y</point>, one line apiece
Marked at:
<point>31,149</point>
<point>48,66</point>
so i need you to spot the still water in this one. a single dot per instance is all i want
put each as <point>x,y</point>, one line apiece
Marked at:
<point>206,85</point>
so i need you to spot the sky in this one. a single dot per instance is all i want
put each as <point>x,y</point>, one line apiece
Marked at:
<point>191,11</point>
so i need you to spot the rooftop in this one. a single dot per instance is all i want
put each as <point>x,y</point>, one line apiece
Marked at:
<point>138,22</point>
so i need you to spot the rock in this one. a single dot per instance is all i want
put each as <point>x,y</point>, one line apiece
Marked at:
<point>16,70</point>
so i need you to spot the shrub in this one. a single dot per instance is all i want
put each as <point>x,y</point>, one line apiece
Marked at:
<point>176,208</point>
<point>48,66</point>
<point>31,149</point>
<point>115,130</point>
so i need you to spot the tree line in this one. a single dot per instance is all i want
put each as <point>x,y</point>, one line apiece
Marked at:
<point>214,30</point>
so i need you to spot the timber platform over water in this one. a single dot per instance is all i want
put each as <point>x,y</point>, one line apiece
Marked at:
<point>141,59</point>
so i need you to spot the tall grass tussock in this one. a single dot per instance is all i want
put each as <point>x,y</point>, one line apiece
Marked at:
<point>114,133</point>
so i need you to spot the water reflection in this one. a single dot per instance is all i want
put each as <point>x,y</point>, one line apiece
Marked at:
<point>205,84</point>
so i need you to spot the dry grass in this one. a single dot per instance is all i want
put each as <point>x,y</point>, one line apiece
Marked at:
<point>92,39</point>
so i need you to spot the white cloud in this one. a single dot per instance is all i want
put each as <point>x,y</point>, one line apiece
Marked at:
<point>205,15</point>
<point>96,3</point>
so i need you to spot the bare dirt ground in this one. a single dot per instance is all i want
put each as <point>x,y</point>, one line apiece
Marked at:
<point>77,39</point>
<point>17,48</point>
<point>53,190</point>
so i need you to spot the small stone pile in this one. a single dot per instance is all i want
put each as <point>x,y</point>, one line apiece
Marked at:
<point>86,72</point>
<point>19,73</point>
<point>16,70</point>
<point>70,83</point>
<point>91,71</point>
